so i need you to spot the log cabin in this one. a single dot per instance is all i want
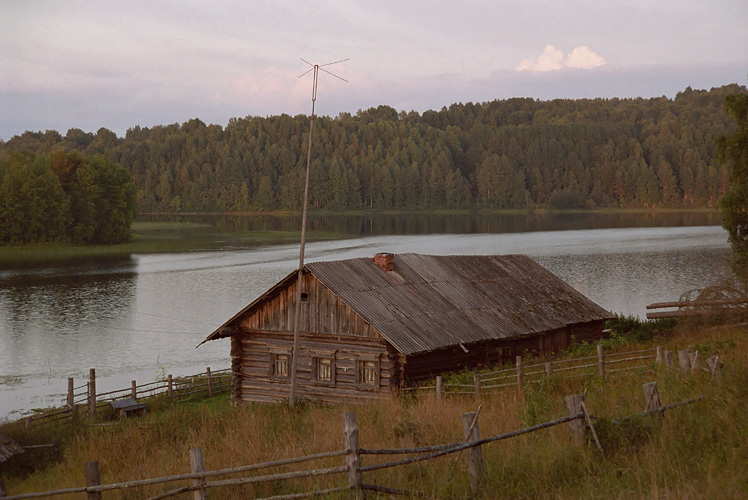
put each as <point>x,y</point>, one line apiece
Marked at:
<point>369,326</point>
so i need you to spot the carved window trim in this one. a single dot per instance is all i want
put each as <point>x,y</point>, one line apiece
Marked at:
<point>280,364</point>
<point>323,367</point>
<point>368,371</point>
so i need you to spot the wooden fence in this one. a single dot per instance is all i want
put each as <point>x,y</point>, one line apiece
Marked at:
<point>603,365</point>
<point>83,400</point>
<point>199,480</point>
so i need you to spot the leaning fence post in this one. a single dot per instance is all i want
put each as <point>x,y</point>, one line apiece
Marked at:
<point>548,371</point>
<point>93,479</point>
<point>576,426</point>
<point>210,383</point>
<point>695,362</point>
<point>196,466</point>
<point>601,361</point>
<point>352,457</point>
<point>684,361</point>
<point>92,395</point>
<point>651,396</point>
<point>520,377</point>
<point>170,387</point>
<point>438,388</point>
<point>474,455</point>
<point>715,367</point>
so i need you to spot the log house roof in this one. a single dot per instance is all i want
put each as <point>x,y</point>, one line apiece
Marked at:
<point>431,302</point>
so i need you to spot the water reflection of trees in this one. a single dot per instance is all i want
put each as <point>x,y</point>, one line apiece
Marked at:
<point>40,304</point>
<point>440,223</point>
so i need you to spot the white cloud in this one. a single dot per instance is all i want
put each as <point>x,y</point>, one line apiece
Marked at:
<point>553,59</point>
<point>583,57</point>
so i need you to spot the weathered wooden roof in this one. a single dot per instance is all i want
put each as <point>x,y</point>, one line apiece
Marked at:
<point>430,302</point>
<point>8,448</point>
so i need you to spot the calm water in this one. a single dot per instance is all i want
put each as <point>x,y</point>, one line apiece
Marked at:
<point>141,317</point>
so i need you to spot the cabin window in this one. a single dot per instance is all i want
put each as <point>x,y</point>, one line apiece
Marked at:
<point>324,371</point>
<point>280,365</point>
<point>304,296</point>
<point>323,367</point>
<point>367,372</point>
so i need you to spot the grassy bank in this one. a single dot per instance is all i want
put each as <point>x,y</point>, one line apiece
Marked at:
<point>156,237</point>
<point>695,451</point>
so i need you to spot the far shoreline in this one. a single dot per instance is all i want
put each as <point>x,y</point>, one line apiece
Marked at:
<point>187,236</point>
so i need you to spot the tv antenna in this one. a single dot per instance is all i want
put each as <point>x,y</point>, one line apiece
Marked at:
<point>316,68</point>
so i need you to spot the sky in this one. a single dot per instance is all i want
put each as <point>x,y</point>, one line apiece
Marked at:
<point>115,64</point>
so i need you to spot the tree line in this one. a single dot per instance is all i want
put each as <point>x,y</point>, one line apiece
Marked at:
<point>63,196</point>
<point>513,153</point>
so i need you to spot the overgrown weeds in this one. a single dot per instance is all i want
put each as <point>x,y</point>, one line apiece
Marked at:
<point>694,451</point>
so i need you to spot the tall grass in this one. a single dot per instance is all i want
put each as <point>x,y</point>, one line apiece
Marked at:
<point>695,451</point>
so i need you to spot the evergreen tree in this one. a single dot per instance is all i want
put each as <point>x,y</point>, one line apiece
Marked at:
<point>733,152</point>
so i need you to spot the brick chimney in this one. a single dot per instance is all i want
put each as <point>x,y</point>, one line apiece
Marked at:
<point>385,260</point>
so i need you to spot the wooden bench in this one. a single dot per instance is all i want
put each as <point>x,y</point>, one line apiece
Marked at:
<point>128,406</point>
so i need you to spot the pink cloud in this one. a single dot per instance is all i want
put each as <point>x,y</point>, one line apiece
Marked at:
<point>553,59</point>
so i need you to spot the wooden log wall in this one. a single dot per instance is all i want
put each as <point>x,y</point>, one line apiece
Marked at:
<point>428,365</point>
<point>258,385</point>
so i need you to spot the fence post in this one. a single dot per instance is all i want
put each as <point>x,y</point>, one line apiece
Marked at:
<point>715,367</point>
<point>438,388</point>
<point>695,362</point>
<point>352,458</point>
<point>668,359</point>
<point>210,383</point>
<point>476,382</point>
<point>92,395</point>
<point>659,355</point>
<point>71,392</point>
<point>520,377</point>
<point>29,422</point>
<point>134,389</point>
<point>576,426</point>
<point>71,399</point>
<point>474,455</point>
<point>684,361</point>
<point>548,371</point>
<point>651,396</point>
<point>601,361</point>
<point>93,479</point>
<point>170,387</point>
<point>56,450</point>
<point>196,465</point>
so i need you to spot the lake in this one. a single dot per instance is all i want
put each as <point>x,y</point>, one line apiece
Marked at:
<point>141,317</point>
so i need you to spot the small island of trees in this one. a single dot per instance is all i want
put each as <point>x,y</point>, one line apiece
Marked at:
<point>65,197</point>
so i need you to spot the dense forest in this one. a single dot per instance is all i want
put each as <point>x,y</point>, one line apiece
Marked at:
<point>64,197</point>
<point>514,153</point>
